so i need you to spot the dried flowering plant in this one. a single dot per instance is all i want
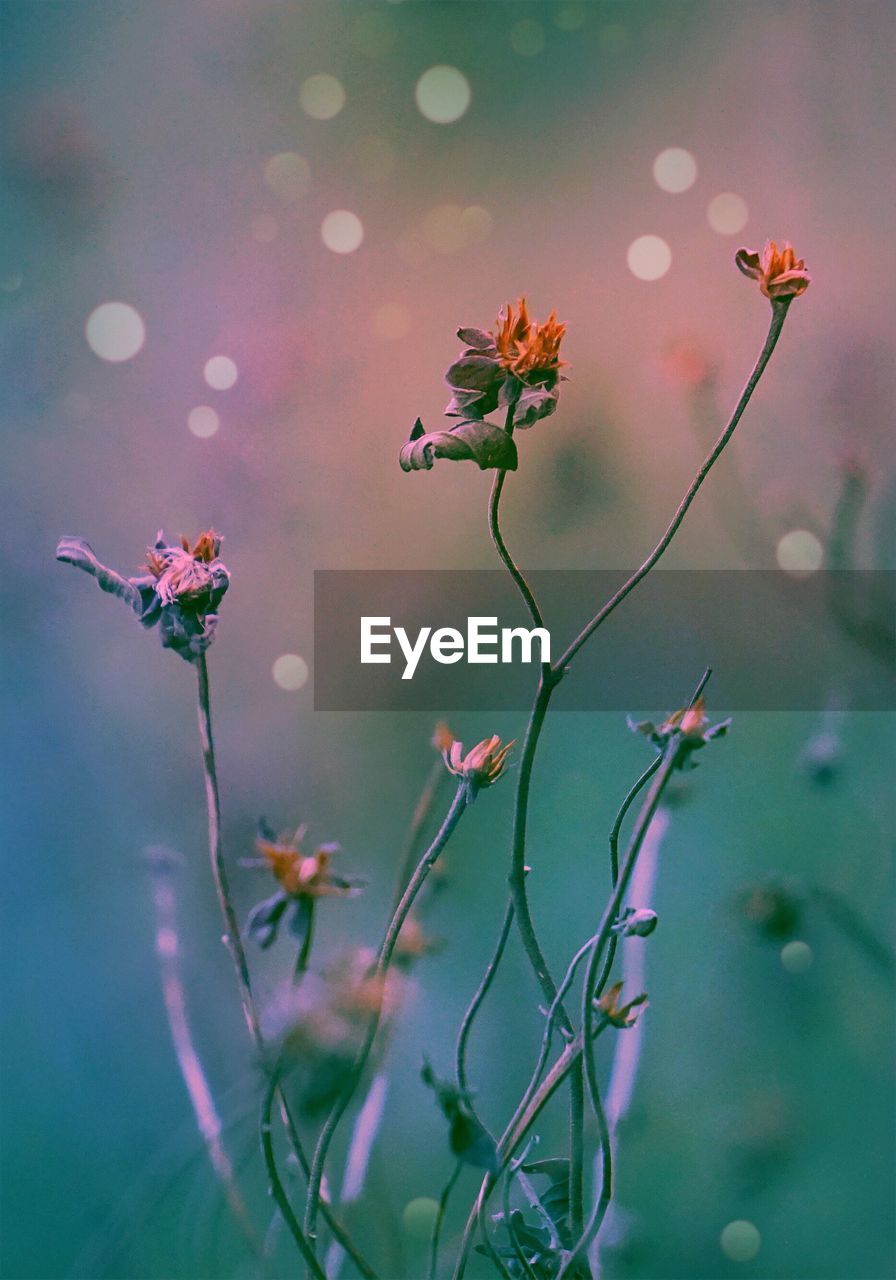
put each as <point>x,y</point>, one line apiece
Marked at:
<point>327,1032</point>
<point>515,369</point>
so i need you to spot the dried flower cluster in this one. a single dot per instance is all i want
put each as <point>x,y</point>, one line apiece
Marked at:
<point>180,591</point>
<point>515,369</point>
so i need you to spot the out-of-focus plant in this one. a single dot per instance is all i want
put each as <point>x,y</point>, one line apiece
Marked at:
<point>326,1032</point>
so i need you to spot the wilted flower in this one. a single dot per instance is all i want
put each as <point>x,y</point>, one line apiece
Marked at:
<point>314,1029</point>
<point>302,879</point>
<point>526,347</point>
<point>689,726</point>
<point>518,365</point>
<point>180,590</point>
<point>636,923</point>
<point>779,272</point>
<point>618,1015</point>
<point>515,369</point>
<point>482,766</point>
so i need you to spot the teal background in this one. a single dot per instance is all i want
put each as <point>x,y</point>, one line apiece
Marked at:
<point>133,149</point>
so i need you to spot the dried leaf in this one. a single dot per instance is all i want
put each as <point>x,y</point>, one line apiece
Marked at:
<point>479,339</point>
<point>489,446</point>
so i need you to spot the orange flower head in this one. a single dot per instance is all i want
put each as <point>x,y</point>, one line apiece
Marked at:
<point>523,345</point>
<point>483,764</point>
<point>300,875</point>
<point>780,273</point>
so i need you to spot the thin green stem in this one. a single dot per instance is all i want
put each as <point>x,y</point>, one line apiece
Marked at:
<point>518,905</point>
<point>466,1026</point>
<point>438,774</point>
<point>278,1191</point>
<point>337,1230</point>
<point>380,969</point>
<point>493,1255</point>
<point>614,863</point>
<point>533,1103</point>
<point>550,678</point>
<point>668,763</point>
<point>511,1229</point>
<point>304,952</point>
<point>494,528</point>
<point>234,942</point>
<point>779,312</point>
<point>439,1221</point>
<point>232,938</point>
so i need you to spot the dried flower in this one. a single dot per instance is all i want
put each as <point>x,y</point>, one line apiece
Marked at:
<point>181,589</point>
<point>617,1015</point>
<point>689,726</point>
<point>516,369</point>
<point>526,347</point>
<point>482,766</point>
<point>302,879</point>
<point>636,923</point>
<point>517,366</point>
<point>779,272</point>
<point>314,1029</point>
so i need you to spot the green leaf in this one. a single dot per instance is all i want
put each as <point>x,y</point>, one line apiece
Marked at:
<point>468,1138</point>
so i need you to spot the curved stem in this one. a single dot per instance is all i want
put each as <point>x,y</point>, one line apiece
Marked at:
<point>521,1258</point>
<point>232,938</point>
<point>532,1104</point>
<point>380,968</point>
<point>469,1017</point>
<point>338,1231</point>
<point>614,864</point>
<point>524,1117</point>
<point>493,1255</point>
<point>551,677</point>
<point>437,775</point>
<point>234,941</point>
<point>779,312</point>
<point>440,1218</point>
<point>277,1189</point>
<point>304,953</point>
<point>494,528</point>
<point>663,774</point>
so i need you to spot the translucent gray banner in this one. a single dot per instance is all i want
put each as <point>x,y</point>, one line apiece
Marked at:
<point>774,641</point>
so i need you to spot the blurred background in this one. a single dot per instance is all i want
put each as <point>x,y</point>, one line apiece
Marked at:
<point>237,239</point>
